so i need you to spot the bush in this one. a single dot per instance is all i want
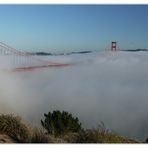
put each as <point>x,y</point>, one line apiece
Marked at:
<point>15,128</point>
<point>94,136</point>
<point>99,135</point>
<point>38,136</point>
<point>71,137</point>
<point>59,123</point>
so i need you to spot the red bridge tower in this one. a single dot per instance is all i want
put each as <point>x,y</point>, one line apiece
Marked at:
<point>114,46</point>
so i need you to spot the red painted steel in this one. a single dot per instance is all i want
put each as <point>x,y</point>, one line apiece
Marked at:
<point>113,46</point>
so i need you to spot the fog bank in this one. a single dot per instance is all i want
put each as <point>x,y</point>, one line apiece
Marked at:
<point>106,86</point>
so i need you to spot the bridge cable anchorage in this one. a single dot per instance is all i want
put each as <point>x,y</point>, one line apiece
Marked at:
<point>23,60</point>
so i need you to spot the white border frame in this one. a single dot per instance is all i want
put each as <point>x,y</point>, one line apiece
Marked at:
<point>73,2</point>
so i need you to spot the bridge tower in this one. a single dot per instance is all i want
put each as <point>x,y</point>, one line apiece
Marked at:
<point>113,46</point>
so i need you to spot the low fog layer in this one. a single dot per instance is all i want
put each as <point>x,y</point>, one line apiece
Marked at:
<point>106,86</point>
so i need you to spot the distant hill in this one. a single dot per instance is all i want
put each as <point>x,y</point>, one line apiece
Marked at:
<point>135,50</point>
<point>81,52</point>
<point>68,53</point>
<point>42,53</point>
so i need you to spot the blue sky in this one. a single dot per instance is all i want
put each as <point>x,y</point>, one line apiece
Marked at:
<point>74,27</point>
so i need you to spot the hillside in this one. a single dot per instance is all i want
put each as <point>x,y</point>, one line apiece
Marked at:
<point>14,130</point>
<point>116,139</point>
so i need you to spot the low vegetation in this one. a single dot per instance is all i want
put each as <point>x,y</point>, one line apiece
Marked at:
<point>58,127</point>
<point>15,128</point>
<point>39,136</point>
<point>59,123</point>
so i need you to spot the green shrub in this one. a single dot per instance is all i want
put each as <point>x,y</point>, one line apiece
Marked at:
<point>15,128</point>
<point>58,123</point>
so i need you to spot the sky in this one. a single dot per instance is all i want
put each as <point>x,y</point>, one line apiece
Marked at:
<point>73,27</point>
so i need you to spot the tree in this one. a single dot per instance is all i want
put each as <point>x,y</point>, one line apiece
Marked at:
<point>58,123</point>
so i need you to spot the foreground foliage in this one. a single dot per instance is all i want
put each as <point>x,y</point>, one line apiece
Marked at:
<point>15,128</point>
<point>39,136</point>
<point>71,132</point>
<point>98,135</point>
<point>58,123</point>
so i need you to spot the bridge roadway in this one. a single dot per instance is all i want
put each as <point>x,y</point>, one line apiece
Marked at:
<point>25,61</point>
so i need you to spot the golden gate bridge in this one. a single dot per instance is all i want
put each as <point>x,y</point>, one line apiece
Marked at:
<point>26,61</point>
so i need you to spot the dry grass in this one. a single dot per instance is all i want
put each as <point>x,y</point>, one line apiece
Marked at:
<point>102,135</point>
<point>6,139</point>
<point>15,128</point>
<point>39,136</point>
<point>93,136</point>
